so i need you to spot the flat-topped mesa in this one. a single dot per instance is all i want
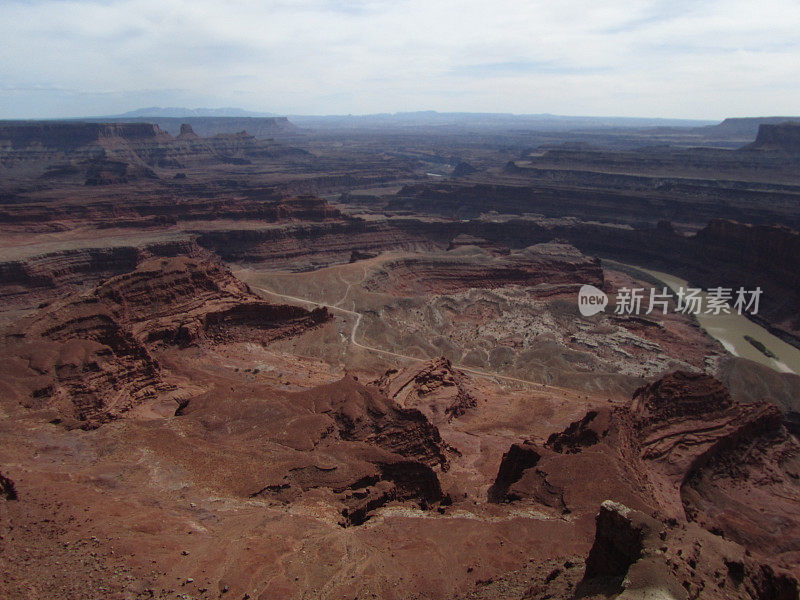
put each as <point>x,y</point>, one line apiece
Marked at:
<point>556,267</point>
<point>743,127</point>
<point>67,136</point>
<point>88,153</point>
<point>255,204</point>
<point>206,127</point>
<point>234,135</point>
<point>29,280</point>
<point>465,239</point>
<point>117,152</point>
<point>306,208</point>
<point>780,137</point>
<point>755,238</point>
<point>146,132</point>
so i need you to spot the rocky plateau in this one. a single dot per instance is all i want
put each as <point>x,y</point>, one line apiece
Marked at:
<point>331,362</point>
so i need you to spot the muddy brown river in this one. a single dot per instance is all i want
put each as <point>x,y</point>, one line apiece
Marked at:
<point>730,330</point>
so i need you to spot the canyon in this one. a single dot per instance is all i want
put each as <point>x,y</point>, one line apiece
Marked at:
<point>241,358</point>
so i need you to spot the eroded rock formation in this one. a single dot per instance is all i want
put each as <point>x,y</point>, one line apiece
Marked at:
<point>90,357</point>
<point>8,490</point>
<point>467,267</point>
<point>637,556</point>
<point>342,439</point>
<point>683,447</point>
<point>435,388</point>
<point>113,153</point>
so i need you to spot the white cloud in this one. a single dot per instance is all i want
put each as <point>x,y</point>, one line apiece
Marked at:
<point>649,58</point>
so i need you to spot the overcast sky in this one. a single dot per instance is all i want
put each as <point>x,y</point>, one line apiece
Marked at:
<point>649,58</point>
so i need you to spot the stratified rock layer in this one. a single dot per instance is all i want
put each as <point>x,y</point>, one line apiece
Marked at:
<point>90,357</point>
<point>467,267</point>
<point>683,447</point>
<point>783,137</point>
<point>436,388</point>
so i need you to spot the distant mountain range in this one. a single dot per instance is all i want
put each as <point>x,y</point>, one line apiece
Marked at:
<point>180,112</point>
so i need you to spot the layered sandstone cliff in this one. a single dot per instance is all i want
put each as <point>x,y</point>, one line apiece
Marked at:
<point>436,388</point>
<point>683,447</point>
<point>90,357</point>
<point>780,137</point>
<point>465,267</point>
<point>113,153</point>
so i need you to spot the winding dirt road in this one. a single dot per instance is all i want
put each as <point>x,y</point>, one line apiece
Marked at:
<point>492,376</point>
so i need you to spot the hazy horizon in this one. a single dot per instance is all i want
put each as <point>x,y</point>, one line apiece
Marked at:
<point>236,112</point>
<point>654,59</point>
